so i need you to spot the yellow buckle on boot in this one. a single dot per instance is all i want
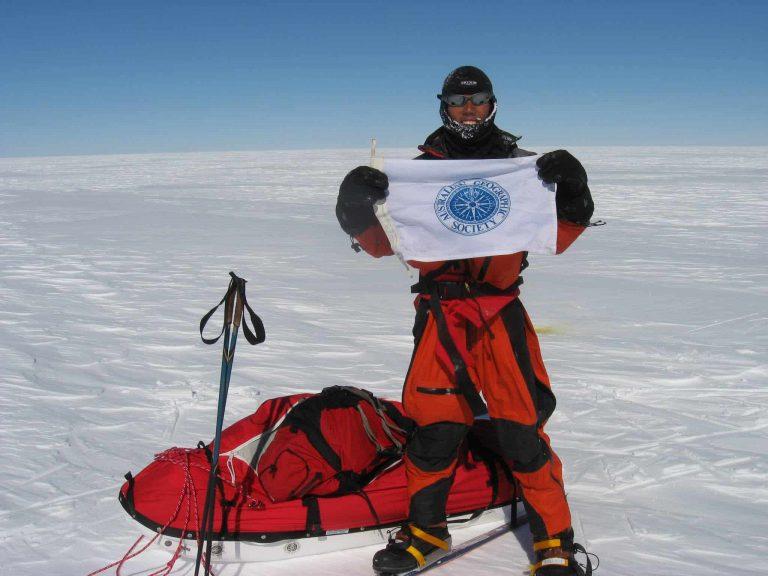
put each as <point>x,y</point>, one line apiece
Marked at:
<point>429,539</point>
<point>546,544</point>
<point>413,551</point>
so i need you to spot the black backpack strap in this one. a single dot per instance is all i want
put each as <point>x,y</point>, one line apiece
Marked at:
<point>429,277</point>
<point>484,268</point>
<point>360,492</point>
<point>307,416</point>
<point>307,419</point>
<point>428,286</point>
<point>314,523</point>
<point>266,436</point>
<point>463,379</point>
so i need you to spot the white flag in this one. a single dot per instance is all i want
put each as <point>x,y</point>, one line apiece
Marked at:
<point>453,209</point>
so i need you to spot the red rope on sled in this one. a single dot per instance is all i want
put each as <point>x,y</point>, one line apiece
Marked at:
<point>187,491</point>
<point>126,557</point>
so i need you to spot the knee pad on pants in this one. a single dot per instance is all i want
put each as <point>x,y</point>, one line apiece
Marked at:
<point>434,447</point>
<point>522,445</point>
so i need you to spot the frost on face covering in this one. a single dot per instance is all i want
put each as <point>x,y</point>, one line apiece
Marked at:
<point>466,130</point>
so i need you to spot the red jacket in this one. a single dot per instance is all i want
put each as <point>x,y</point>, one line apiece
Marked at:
<point>499,272</point>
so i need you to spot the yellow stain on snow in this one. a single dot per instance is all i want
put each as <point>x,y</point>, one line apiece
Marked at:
<point>547,330</point>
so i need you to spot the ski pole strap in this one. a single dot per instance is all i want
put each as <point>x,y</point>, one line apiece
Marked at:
<point>257,335</point>
<point>235,302</point>
<point>228,300</point>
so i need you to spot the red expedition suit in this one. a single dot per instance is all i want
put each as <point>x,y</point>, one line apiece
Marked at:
<point>472,333</point>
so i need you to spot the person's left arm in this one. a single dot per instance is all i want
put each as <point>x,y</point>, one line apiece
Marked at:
<point>573,198</point>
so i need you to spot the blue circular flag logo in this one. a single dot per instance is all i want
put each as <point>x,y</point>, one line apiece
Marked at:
<point>473,206</point>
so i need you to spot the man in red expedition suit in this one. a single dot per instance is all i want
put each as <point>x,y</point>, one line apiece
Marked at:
<point>473,334</point>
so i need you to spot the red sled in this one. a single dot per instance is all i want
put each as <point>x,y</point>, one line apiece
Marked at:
<point>308,474</point>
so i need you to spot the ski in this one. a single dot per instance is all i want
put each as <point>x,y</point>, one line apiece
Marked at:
<point>468,546</point>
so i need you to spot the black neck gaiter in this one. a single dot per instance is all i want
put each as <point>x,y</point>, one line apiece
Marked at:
<point>487,145</point>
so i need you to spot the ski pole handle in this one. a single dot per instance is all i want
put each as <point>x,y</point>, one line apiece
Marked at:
<point>229,304</point>
<point>235,303</point>
<point>239,301</point>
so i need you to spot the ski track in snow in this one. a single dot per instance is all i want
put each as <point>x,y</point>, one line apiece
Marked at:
<point>654,330</point>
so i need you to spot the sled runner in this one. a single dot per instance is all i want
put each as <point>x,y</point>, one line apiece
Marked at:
<point>307,474</point>
<point>243,551</point>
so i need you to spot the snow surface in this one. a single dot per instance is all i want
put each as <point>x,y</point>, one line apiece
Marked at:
<point>653,327</point>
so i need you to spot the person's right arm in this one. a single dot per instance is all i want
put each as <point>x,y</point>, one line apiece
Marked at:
<point>359,191</point>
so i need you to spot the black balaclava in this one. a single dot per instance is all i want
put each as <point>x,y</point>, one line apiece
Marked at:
<point>467,80</point>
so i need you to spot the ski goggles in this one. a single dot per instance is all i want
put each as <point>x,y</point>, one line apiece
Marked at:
<point>455,100</point>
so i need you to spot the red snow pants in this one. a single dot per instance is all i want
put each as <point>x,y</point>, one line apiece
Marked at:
<point>507,368</point>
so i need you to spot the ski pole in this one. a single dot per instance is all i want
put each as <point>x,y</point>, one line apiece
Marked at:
<point>227,356</point>
<point>234,303</point>
<point>230,340</point>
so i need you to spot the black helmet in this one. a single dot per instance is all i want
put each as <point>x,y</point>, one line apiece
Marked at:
<point>467,80</point>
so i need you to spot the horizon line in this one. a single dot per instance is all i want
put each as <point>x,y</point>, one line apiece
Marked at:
<point>356,149</point>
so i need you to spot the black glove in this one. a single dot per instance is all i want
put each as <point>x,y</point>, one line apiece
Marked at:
<point>359,191</point>
<point>561,167</point>
<point>573,198</point>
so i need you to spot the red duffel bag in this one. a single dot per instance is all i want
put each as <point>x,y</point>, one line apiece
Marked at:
<point>331,443</point>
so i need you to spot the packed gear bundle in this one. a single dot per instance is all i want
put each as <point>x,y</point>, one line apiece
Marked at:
<point>304,474</point>
<point>363,492</point>
<point>320,448</point>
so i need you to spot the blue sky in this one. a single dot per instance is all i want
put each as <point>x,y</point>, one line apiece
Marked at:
<point>114,77</point>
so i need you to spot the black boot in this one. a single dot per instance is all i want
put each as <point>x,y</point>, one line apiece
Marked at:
<point>555,556</point>
<point>412,548</point>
